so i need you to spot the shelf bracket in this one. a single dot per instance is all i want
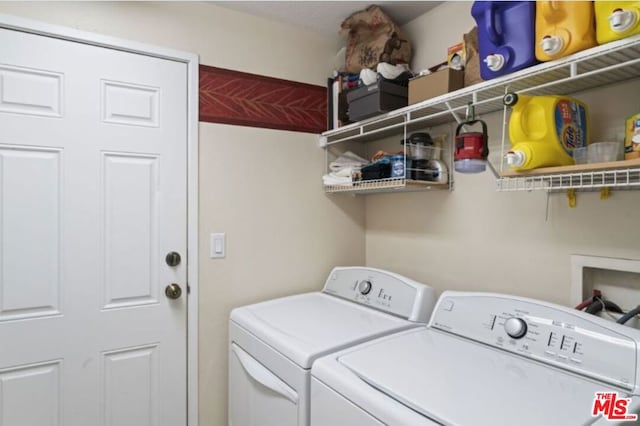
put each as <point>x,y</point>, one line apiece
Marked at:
<point>571,195</point>
<point>470,113</point>
<point>453,113</point>
<point>493,169</point>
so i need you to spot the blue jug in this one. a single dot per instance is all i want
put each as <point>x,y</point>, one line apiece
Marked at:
<point>506,36</point>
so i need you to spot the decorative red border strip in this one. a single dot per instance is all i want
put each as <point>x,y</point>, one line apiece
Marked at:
<point>233,97</point>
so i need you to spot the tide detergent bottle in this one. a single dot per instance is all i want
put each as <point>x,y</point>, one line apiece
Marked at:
<point>616,19</point>
<point>544,130</point>
<point>563,28</point>
<point>506,36</point>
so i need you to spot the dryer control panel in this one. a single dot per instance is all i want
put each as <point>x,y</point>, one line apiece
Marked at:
<point>553,334</point>
<point>382,290</point>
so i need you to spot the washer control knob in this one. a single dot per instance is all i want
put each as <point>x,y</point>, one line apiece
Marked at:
<point>364,287</point>
<point>515,327</point>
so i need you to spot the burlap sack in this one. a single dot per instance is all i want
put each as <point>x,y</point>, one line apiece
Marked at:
<point>373,38</point>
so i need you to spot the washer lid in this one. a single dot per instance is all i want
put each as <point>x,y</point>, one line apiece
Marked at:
<point>307,326</point>
<point>458,382</point>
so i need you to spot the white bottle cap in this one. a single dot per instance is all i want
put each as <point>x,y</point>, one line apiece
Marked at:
<point>552,45</point>
<point>621,20</point>
<point>494,62</point>
<point>515,158</point>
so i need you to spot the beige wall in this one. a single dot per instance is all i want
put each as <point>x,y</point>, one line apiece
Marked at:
<point>477,239</point>
<point>262,187</point>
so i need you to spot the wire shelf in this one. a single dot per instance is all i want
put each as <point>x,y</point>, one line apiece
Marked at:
<point>601,65</point>
<point>385,185</point>
<point>610,63</point>
<point>624,175</point>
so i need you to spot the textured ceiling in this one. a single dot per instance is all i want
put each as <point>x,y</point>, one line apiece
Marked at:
<point>325,17</point>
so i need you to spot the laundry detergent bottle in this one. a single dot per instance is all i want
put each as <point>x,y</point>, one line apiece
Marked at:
<point>563,28</point>
<point>506,36</point>
<point>616,19</point>
<point>544,130</point>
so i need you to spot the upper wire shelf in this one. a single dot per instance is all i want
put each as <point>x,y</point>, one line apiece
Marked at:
<point>601,65</point>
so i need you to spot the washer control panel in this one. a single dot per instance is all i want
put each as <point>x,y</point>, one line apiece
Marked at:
<point>382,290</point>
<point>515,327</point>
<point>553,334</point>
<point>365,286</point>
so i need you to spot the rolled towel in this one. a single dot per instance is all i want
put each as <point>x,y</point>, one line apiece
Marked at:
<point>347,159</point>
<point>329,179</point>
<point>346,172</point>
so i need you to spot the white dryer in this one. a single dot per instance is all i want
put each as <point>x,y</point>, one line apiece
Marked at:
<point>485,360</point>
<point>273,344</point>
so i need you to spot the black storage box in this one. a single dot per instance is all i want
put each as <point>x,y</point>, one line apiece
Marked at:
<point>376,171</point>
<point>374,99</point>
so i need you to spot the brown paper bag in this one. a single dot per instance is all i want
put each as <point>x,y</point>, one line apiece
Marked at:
<point>373,38</point>
<point>472,58</point>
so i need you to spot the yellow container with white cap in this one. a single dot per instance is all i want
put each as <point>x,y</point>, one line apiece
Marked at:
<point>563,28</point>
<point>544,130</point>
<point>616,19</point>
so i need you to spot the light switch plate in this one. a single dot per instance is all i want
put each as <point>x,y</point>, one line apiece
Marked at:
<point>217,245</point>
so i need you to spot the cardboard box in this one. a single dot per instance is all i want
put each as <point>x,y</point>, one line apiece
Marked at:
<point>435,84</point>
<point>375,99</point>
<point>456,56</point>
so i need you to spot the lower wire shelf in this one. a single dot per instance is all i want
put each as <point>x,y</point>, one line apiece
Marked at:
<point>385,185</point>
<point>588,177</point>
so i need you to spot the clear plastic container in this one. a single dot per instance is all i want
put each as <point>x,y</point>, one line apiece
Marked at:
<point>580,155</point>
<point>602,152</point>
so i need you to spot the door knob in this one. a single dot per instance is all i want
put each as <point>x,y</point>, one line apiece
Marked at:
<point>173,291</point>
<point>173,258</point>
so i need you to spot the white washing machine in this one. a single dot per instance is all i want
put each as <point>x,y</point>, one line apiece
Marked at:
<point>485,359</point>
<point>273,344</point>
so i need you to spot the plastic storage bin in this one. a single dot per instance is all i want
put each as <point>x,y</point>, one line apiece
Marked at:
<point>616,19</point>
<point>563,28</point>
<point>544,130</point>
<point>506,36</point>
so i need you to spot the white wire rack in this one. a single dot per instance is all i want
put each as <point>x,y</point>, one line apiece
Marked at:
<point>385,185</point>
<point>599,66</point>
<point>623,175</point>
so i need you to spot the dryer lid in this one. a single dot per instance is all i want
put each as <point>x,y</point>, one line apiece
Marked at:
<point>306,326</point>
<point>459,382</point>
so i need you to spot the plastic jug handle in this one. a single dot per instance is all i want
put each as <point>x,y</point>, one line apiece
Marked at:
<point>490,25</point>
<point>549,9</point>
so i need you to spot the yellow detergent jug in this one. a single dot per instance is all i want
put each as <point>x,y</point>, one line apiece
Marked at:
<point>616,19</point>
<point>563,28</point>
<point>544,130</point>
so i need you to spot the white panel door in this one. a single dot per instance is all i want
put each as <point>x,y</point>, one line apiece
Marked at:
<point>93,145</point>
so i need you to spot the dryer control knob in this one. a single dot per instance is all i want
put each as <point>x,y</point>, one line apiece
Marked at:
<point>515,327</point>
<point>364,287</point>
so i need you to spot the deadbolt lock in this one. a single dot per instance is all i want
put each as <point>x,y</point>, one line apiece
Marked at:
<point>173,291</point>
<point>173,258</point>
